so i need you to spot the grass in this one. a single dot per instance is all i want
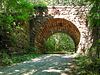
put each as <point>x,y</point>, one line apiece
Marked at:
<point>24,57</point>
<point>14,59</point>
<point>87,66</point>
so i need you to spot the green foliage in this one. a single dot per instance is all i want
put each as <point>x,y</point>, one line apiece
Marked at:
<point>12,11</point>
<point>12,15</point>
<point>14,59</point>
<point>94,15</point>
<point>75,2</point>
<point>31,49</point>
<point>14,36</point>
<point>5,30</point>
<point>20,8</point>
<point>6,60</point>
<point>20,37</point>
<point>64,2</point>
<point>59,42</point>
<point>94,24</point>
<point>40,6</point>
<point>86,66</point>
<point>24,57</point>
<point>5,22</point>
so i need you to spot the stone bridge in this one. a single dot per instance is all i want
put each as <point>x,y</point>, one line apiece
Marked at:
<point>66,19</point>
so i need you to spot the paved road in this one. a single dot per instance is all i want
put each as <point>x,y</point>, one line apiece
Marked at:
<point>49,64</point>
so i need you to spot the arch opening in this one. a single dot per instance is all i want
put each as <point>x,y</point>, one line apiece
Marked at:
<point>59,43</point>
<point>52,26</point>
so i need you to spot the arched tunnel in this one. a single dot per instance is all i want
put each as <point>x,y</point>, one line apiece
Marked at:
<point>55,25</point>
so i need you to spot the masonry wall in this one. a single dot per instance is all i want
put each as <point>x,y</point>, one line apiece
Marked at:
<point>75,14</point>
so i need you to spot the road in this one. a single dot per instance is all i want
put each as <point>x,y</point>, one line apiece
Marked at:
<point>48,64</point>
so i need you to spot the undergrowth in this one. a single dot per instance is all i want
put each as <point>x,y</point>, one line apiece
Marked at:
<point>87,66</point>
<point>14,59</point>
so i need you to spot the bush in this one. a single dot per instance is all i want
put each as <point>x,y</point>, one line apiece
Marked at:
<point>87,66</point>
<point>59,42</point>
<point>5,59</point>
<point>40,7</point>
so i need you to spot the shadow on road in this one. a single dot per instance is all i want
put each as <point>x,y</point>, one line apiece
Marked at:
<point>48,64</point>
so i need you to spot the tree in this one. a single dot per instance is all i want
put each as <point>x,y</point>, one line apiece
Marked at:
<point>11,12</point>
<point>94,24</point>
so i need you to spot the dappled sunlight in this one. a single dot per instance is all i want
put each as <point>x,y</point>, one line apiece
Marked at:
<point>56,63</point>
<point>69,63</point>
<point>53,64</point>
<point>46,57</point>
<point>67,69</point>
<point>10,73</point>
<point>41,58</point>
<point>26,62</point>
<point>36,59</point>
<point>52,70</point>
<point>64,74</point>
<point>1,72</point>
<point>17,70</point>
<point>49,37</point>
<point>29,73</point>
<point>67,56</point>
<point>71,55</point>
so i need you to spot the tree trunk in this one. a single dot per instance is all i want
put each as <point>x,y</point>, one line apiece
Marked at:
<point>96,43</point>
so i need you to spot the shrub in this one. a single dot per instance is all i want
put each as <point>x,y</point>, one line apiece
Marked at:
<point>59,42</point>
<point>88,66</point>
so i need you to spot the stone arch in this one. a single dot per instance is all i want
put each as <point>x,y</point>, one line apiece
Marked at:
<point>54,25</point>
